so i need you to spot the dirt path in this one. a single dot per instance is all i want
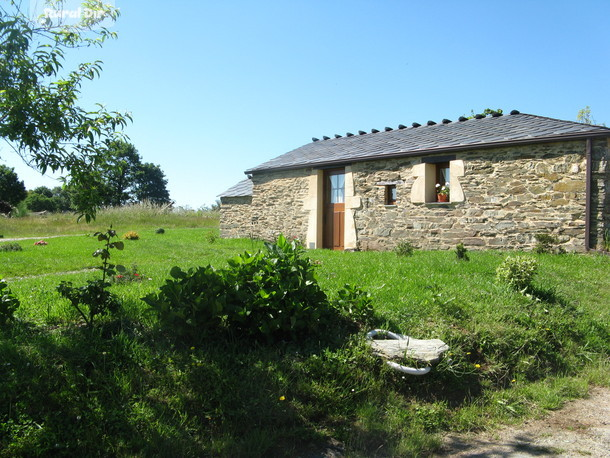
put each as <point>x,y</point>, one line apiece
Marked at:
<point>580,428</point>
<point>16,239</point>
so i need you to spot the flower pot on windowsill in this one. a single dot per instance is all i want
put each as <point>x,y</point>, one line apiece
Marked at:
<point>442,198</point>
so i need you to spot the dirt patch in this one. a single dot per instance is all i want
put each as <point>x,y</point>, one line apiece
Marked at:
<point>580,428</point>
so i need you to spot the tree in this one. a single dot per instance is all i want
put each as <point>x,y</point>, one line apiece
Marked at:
<point>39,115</point>
<point>122,162</point>
<point>122,178</point>
<point>150,184</point>
<point>12,191</point>
<point>485,112</point>
<point>37,202</point>
<point>584,115</point>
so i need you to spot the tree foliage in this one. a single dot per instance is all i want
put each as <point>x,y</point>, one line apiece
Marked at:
<point>12,190</point>
<point>39,112</point>
<point>122,178</point>
<point>584,115</point>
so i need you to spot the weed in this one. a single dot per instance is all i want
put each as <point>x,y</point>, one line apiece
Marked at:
<point>160,231</point>
<point>517,271</point>
<point>355,304</point>
<point>546,243</point>
<point>8,303</point>
<point>211,238</point>
<point>404,248</point>
<point>606,242</point>
<point>127,276</point>
<point>14,246</point>
<point>131,235</point>
<point>461,252</point>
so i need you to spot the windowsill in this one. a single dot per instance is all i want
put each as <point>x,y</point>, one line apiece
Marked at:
<point>391,206</point>
<point>439,204</point>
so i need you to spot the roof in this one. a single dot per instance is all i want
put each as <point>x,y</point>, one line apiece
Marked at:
<point>241,189</point>
<point>433,138</point>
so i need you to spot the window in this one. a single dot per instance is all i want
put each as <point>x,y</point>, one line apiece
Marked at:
<point>442,173</point>
<point>337,188</point>
<point>390,194</point>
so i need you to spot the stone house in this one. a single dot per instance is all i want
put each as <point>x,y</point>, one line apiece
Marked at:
<point>510,177</point>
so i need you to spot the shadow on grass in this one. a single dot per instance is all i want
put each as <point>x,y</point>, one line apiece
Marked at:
<point>122,389</point>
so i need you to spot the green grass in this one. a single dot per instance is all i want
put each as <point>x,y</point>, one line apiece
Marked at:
<point>129,388</point>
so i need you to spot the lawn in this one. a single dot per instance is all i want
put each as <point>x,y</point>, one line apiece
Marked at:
<point>130,387</point>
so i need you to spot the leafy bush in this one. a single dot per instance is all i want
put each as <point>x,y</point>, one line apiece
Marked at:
<point>211,238</point>
<point>606,242</point>
<point>131,235</point>
<point>517,271</point>
<point>547,243</point>
<point>8,304</point>
<point>160,231</point>
<point>355,304</point>
<point>404,248</point>
<point>14,246</point>
<point>271,294</point>
<point>461,252</point>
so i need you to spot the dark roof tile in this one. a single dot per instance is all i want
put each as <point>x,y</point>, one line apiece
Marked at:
<point>241,189</point>
<point>431,139</point>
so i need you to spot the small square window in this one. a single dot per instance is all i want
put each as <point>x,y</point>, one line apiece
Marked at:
<point>390,194</point>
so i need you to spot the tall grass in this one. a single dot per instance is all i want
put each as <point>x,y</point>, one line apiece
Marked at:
<point>133,217</point>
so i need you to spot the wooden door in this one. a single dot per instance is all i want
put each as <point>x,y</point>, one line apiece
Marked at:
<point>334,208</point>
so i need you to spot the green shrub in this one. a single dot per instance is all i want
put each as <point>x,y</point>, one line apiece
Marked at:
<point>160,231</point>
<point>404,248</point>
<point>131,235</point>
<point>461,252</point>
<point>14,246</point>
<point>271,294</point>
<point>211,238</point>
<point>8,304</point>
<point>546,243</point>
<point>517,271</point>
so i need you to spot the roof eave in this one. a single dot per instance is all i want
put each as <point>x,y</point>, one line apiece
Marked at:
<point>423,152</point>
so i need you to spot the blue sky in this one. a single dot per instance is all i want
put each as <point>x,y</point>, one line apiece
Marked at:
<point>218,87</point>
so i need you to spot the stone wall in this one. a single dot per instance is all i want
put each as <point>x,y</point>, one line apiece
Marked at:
<point>600,195</point>
<point>236,217</point>
<point>510,193</point>
<point>278,204</point>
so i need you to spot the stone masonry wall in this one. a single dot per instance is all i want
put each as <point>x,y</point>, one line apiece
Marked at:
<point>600,195</point>
<point>277,204</point>
<point>511,194</point>
<point>235,217</point>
